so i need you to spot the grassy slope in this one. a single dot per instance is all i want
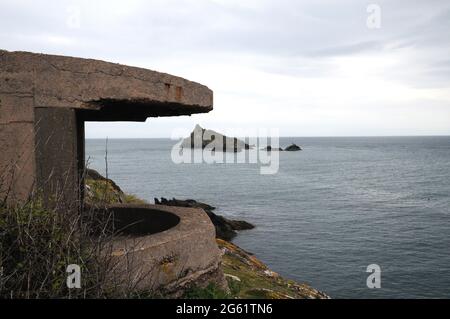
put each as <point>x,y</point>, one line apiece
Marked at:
<point>250,278</point>
<point>101,191</point>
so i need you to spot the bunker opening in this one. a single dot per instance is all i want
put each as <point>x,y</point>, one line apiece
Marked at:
<point>134,220</point>
<point>123,217</point>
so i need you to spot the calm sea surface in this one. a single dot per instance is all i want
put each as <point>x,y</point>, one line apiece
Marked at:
<point>331,210</point>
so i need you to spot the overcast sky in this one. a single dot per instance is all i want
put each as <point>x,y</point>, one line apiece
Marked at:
<point>309,68</point>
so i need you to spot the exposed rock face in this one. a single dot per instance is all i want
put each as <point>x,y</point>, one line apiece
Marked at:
<point>293,148</point>
<point>225,228</point>
<point>201,138</point>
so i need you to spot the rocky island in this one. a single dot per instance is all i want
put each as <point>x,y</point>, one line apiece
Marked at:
<point>201,138</point>
<point>293,148</point>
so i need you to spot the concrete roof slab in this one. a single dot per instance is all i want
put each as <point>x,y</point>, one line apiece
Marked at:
<point>121,92</point>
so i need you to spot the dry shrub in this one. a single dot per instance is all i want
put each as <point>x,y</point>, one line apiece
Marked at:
<point>36,246</point>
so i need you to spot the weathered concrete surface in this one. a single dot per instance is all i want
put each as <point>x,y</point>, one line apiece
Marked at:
<point>57,153</point>
<point>59,81</point>
<point>172,260</point>
<point>45,100</point>
<point>17,161</point>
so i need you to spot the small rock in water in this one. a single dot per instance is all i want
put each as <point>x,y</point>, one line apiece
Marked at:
<point>293,148</point>
<point>270,148</point>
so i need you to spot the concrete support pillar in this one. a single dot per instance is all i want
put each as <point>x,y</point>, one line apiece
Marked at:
<point>59,144</point>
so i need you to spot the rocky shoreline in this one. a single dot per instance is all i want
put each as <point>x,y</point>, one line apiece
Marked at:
<point>246,275</point>
<point>255,280</point>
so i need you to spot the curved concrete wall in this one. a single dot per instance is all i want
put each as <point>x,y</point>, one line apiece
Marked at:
<point>171,260</point>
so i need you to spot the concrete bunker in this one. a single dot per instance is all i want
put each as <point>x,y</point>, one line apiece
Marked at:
<point>45,101</point>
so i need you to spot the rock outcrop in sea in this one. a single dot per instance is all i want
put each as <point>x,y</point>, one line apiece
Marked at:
<point>292,148</point>
<point>201,138</point>
<point>225,228</point>
<point>269,148</point>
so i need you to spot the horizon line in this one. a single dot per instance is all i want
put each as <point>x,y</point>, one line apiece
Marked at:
<point>285,136</point>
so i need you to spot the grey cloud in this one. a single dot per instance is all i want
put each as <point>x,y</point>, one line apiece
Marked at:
<point>295,38</point>
<point>284,28</point>
<point>347,49</point>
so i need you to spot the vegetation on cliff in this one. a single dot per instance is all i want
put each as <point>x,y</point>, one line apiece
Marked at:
<point>251,278</point>
<point>101,190</point>
<point>36,246</point>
